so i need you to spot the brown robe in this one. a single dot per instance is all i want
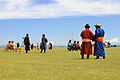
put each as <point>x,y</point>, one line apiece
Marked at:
<point>86,47</point>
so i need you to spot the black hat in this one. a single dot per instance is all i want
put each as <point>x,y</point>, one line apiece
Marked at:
<point>27,34</point>
<point>43,34</point>
<point>87,26</point>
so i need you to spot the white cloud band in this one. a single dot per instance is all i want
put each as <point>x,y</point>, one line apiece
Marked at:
<point>10,9</point>
<point>113,40</point>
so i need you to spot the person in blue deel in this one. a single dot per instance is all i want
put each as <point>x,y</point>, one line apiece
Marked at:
<point>98,38</point>
<point>109,45</point>
<point>43,43</point>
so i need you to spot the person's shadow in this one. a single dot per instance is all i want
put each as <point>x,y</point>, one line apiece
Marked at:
<point>84,59</point>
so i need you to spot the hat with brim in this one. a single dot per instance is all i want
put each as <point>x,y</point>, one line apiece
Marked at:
<point>87,25</point>
<point>97,25</point>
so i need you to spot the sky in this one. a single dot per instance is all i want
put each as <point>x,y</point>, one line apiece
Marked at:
<point>60,20</point>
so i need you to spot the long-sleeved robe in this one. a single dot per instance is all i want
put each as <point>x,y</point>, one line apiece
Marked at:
<point>27,43</point>
<point>86,47</point>
<point>99,45</point>
<point>44,41</point>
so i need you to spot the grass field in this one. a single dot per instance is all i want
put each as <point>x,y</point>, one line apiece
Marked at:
<point>58,64</point>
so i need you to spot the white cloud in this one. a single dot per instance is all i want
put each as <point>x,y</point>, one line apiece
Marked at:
<point>113,40</point>
<point>10,9</point>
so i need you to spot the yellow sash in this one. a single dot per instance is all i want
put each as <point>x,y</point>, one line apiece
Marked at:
<point>86,40</point>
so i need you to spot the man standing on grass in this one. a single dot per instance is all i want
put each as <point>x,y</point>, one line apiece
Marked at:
<point>27,43</point>
<point>98,38</point>
<point>86,47</point>
<point>43,44</point>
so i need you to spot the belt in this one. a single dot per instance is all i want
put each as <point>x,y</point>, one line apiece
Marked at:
<point>86,40</point>
<point>99,39</point>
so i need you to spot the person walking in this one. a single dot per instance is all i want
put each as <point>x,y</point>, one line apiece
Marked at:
<point>43,44</point>
<point>27,43</point>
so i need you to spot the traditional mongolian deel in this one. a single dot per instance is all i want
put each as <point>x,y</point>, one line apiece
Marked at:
<point>43,44</point>
<point>87,36</point>
<point>27,43</point>
<point>44,41</point>
<point>99,46</point>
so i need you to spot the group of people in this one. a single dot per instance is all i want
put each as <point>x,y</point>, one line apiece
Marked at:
<point>43,43</point>
<point>73,46</point>
<point>107,44</point>
<point>11,45</point>
<point>39,46</point>
<point>86,47</point>
<point>87,37</point>
<point>26,42</point>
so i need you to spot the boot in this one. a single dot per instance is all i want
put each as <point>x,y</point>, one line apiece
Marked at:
<point>82,56</point>
<point>103,57</point>
<point>44,51</point>
<point>88,56</point>
<point>41,51</point>
<point>97,57</point>
<point>26,51</point>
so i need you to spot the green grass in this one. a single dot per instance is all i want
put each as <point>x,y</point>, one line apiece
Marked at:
<point>58,64</point>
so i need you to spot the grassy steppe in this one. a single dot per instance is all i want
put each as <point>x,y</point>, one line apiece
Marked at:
<point>58,64</point>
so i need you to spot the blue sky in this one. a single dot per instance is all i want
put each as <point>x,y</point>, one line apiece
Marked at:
<point>59,20</point>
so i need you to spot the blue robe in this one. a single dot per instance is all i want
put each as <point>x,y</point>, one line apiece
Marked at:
<point>69,44</point>
<point>99,46</point>
<point>43,45</point>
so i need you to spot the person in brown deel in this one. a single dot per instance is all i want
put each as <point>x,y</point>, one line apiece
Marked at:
<point>87,36</point>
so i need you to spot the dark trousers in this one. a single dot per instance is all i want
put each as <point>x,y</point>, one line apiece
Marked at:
<point>87,56</point>
<point>69,48</point>
<point>27,48</point>
<point>43,47</point>
<point>42,50</point>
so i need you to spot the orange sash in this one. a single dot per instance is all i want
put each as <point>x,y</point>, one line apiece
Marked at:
<point>86,40</point>
<point>99,39</point>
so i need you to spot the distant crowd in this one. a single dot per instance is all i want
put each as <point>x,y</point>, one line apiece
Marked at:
<point>86,48</point>
<point>26,43</point>
<point>11,46</point>
<point>73,46</point>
